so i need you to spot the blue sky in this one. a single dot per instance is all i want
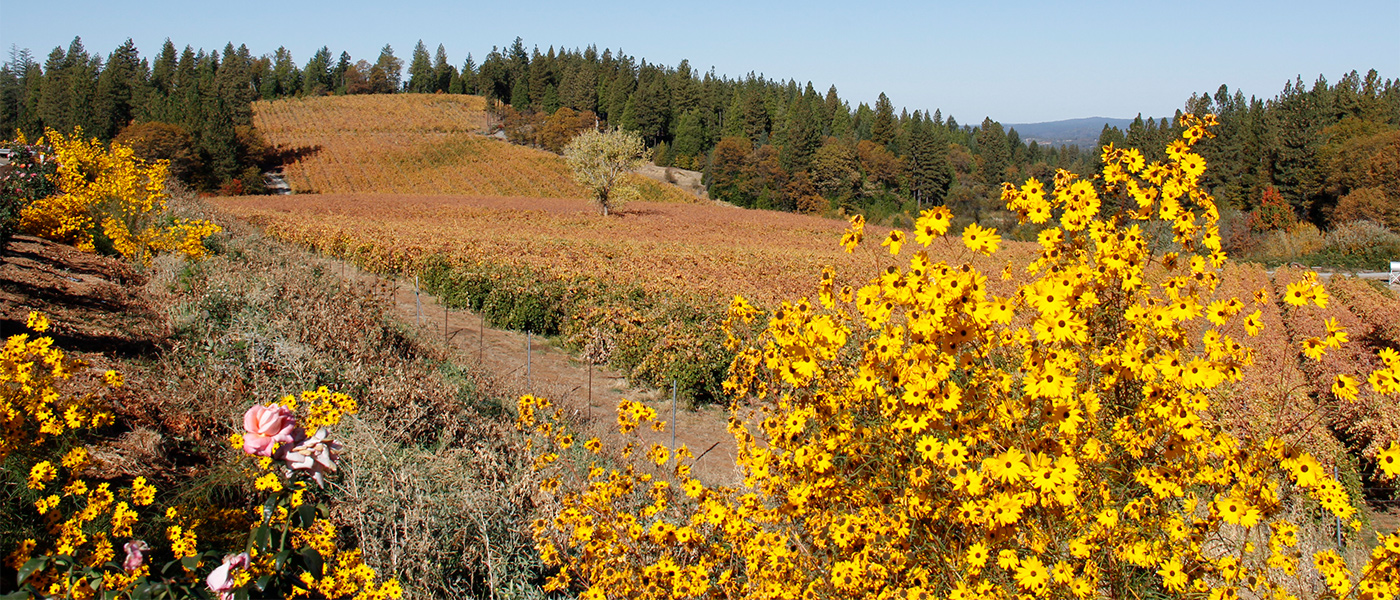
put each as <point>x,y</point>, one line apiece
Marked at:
<point>1013,61</point>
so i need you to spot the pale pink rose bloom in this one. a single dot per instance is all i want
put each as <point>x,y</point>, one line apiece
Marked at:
<point>267,426</point>
<point>135,555</point>
<point>221,580</point>
<point>316,455</point>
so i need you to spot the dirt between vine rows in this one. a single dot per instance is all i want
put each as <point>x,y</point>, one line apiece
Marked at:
<point>555,374</point>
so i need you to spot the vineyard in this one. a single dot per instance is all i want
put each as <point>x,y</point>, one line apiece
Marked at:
<point>413,144</point>
<point>706,250</point>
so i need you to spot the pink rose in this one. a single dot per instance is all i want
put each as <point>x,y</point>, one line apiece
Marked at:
<point>135,555</point>
<point>315,455</point>
<point>267,426</point>
<point>221,580</point>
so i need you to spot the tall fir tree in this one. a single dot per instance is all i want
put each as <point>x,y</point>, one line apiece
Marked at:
<point>993,153</point>
<point>317,74</point>
<point>420,71</point>
<point>882,127</point>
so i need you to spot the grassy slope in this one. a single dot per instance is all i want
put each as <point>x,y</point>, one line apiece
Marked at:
<point>413,144</point>
<point>433,472</point>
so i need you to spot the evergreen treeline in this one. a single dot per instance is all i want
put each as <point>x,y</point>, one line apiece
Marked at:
<point>1312,147</point>
<point>190,107</point>
<point>761,142</point>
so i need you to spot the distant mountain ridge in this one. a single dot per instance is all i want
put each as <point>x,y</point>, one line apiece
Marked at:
<point>1081,132</point>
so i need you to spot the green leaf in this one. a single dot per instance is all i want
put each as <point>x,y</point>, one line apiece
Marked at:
<point>30,567</point>
<point>307,513</point>
<point>241,594</point>
<point>190,562</point>
<point>314,564</point>
<point>142,592</point>
<point>21,595</point>
<point>262,582</point>
<point>281,559</point>
<point>262,537</point>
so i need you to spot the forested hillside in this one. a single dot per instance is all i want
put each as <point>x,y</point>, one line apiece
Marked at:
<point>762,142</point>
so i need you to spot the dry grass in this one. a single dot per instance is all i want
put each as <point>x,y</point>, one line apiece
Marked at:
<point>413,144</point>
<point>434,487</point>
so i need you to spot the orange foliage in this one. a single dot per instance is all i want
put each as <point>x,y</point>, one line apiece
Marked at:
<point>1372,420</point>
<point>404,143</point>
<point>1273,401</point>
<point>417,144</point>
<point>711,250</point>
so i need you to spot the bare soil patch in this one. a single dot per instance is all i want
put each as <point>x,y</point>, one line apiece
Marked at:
<point>95,303</point>
<point>530,364</point>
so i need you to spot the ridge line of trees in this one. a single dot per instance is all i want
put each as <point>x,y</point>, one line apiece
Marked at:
<point>761,142</point>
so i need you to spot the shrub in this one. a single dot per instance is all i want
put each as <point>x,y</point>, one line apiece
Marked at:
<point>1273,213</point>
<point>657,339</point>
<point>921,437</point>
<point>108,196</point>
<point>28,177</point>
<point>1370,204</point>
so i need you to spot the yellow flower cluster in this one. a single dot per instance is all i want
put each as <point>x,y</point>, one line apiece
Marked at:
<point>109,191</point>
<point>346,574</point>
<point>184,541</point>
<point>324,408</point>
<point>928,437</point>
<point>32,408</point>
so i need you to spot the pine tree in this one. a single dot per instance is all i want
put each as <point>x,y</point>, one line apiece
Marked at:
<point>993,152</point>
<point>618,94</point>
<point>841,122</point>
<point>732,119</point>
<point>538,81</point>
<point>15,81</point>
<point>118,87</point>
<point>550,102</point>
<point>685,91</point>
<point>690,140</point>
<point>803,134</point>
<point>53,102</point>
<point>833,106</point>
<point>284,80</point>
<point>1111,135</point>
<point>84,105</point>
<point>930,175</point>
<point>317,74</point>
<point>469,76</point>
<point>342,65</point>
<point>1293,122</point>
<point>754,115</point>
<point>420,71</point>
<point>443,71</point>
<point>493,80</point>
<point>861,121</point>
<point>882,128</point>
